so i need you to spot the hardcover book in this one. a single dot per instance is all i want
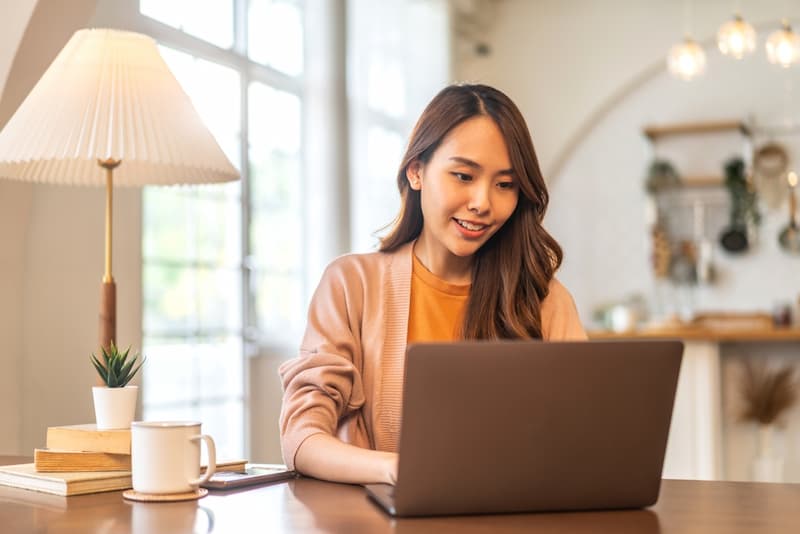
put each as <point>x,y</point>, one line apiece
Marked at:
<point>88,438</point>
<point>80,482</point>
<point>52,460</point>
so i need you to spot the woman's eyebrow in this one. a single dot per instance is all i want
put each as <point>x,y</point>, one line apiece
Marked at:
<point>477,166</point>
<point>467,162</point>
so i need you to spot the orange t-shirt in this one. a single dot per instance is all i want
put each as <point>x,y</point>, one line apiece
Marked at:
<point>436,309</point>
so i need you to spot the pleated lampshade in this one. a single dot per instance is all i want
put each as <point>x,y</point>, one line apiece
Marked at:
<point>109,112</point>
<point>109,95</point>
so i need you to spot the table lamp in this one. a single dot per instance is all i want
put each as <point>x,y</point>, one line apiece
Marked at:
<point>108,110</point>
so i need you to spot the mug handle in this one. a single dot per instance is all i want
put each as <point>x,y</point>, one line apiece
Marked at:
<point>212,459</point>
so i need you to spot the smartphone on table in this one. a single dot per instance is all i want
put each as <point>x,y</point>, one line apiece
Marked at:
<point>252,475</point>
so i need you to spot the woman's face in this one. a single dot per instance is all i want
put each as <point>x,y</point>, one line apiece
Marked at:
<point>468,189</point>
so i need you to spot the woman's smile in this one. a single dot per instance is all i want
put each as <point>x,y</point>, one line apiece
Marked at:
<point>470,229</point>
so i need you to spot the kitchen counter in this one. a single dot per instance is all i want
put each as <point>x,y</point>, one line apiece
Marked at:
<point>696,333</point>
<point>706,441</point>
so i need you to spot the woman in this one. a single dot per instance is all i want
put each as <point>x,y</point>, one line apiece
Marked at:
<point>467,258</point>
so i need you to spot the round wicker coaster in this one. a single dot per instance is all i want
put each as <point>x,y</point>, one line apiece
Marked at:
<point>133,495</point>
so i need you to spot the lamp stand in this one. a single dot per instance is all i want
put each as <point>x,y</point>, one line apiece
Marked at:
<point>108,290</point>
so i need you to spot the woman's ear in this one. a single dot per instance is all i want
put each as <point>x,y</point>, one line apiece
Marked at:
<point>414,175</point>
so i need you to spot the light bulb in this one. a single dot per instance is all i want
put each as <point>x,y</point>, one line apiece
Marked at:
<point>792,179</point>
<point>686,60</point>
<point>783,46</point>
<point>736,38</point>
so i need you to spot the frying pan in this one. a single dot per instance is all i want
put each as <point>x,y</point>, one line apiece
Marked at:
<point>734,239</point>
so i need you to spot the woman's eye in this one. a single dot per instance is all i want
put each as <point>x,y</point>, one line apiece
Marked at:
<point>505,185</point>
<point>462,177</point>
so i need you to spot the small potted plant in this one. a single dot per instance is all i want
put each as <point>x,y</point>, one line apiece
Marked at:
<point>661,175</point>
<point>115,403</point>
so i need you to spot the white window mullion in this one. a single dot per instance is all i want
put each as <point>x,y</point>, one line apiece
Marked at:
<point>325,139</point>
<point>240,46</point>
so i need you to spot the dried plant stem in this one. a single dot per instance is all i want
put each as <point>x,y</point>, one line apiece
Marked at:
<point>767,393</point>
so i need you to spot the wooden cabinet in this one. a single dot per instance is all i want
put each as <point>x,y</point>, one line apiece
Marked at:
<point>706,441</point>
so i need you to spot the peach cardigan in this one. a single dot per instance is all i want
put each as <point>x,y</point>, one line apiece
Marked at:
<point>347,380</point>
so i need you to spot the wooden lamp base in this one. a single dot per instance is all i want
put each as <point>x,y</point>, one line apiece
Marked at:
<point>108,314</point>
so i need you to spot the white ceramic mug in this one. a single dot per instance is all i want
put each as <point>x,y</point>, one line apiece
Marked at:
<point>165,456</point>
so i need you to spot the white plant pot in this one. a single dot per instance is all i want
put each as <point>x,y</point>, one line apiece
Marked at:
<point>114,407</point>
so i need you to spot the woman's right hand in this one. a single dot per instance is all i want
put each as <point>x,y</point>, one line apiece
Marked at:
<point>391,467</point>
<point>328,458</point>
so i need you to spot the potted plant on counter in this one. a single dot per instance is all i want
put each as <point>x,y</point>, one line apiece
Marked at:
<point>115,403</point>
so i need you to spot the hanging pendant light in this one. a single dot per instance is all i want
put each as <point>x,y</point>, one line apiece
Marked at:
<point>686,60</point>
<point>783,46</point>
<point>736,38</point>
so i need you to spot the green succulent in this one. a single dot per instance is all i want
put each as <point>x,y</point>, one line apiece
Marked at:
<point>116,370</point>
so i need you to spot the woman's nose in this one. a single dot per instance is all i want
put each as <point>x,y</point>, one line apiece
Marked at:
<point>479,202</point>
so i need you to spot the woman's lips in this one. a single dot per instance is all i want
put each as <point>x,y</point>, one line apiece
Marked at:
<point>470,229</point>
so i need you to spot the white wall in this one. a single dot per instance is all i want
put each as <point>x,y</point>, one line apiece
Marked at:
<point>15,200</point>
<point>16,14</point>
<point>64,266</point>
<point>570,66</point>
<point>51,259</point>
<point>603,183</point>
<point>588,75</point>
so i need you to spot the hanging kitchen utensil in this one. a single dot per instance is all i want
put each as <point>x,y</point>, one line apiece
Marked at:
<point>771,160</point>
<point>789,238</point>
<point>683,270</point>
<point>734,239</point>
<point>706,272</point>
<point>770,163</point>
<point>662,253</point>
<point>743,211</point>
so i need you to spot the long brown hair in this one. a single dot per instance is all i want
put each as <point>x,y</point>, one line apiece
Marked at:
<point>521,258</point>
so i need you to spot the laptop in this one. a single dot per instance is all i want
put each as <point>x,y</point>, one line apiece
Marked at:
<point>531,426</point>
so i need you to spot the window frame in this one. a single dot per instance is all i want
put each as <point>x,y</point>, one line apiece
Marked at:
<point>126,15</point>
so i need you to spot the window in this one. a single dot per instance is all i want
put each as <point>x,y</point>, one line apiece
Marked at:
<point>275,35</point>
<point>276,228</point>
<point>391,78</point>
<point>192,276</point>
<point>229,268</point>
<point>223,264</point>
<point>210,20</point>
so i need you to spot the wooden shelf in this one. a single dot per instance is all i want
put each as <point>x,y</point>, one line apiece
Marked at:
<point>654,132</point>
<point>699,182</point>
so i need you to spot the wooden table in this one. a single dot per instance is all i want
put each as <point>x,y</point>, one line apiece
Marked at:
<point>307,505</point>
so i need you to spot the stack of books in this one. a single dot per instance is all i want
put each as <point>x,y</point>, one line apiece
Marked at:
<point>82,448</point>
<point>81,459</point>
<point>78,459</point>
